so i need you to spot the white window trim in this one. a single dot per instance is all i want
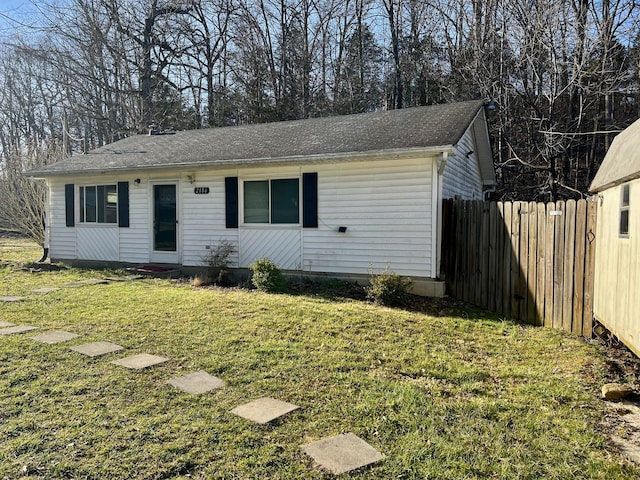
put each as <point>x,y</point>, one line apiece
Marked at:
<point>242,180</point>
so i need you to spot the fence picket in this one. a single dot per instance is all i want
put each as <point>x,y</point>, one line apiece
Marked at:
<point>548,266</point>
<point>499,270</point>
<point>558,265</point>
<point>506,258</point>
<point>532,271</point>
<point>484,255</point>
<point>541,259</point>
<point>587,319</point>
<point>579,280</point>
<point>492,295</point>
<point>568,260</point>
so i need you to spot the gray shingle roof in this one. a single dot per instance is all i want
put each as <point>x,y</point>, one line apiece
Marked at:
<point>318,138</point>
<point>622,161</point>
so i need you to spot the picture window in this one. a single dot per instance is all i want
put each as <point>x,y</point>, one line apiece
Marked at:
<point>272,201</point>
<point>99,204</point>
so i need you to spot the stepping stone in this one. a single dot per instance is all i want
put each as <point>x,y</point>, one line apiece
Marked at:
<point>124,279</point>
<point>96,349</point>
<point>16,329</point>
<point>94,281</point>
<point>11,299</point>
<point>342,453</point>
<point>264,410</point>
<point>6,324</point>
<point>196,383</point>
<point>138,362</point>
<point>57,336</point>
<point>45,290</point>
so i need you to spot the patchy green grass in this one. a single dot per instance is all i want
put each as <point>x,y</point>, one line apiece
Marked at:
<point>452,394</point>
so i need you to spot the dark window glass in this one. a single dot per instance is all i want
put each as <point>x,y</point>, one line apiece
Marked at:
<point>110,204</point>
<point>625,195</point>
<point>624,222</point>
<point>285,201</point>
<point>82,204</point>
<point>625,205</point>
<point>90,204</point>
<point>256,202</point>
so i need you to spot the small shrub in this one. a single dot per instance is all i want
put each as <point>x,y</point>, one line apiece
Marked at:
<point>198,281</point>
<point>218,260</point>
<point>388,288</point>
<point>267,276</point>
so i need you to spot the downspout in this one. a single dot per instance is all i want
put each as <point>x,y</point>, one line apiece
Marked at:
<point>438,170</point>
<point>45,226</point>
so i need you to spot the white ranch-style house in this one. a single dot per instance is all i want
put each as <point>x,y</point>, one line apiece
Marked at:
<point>335,196</point>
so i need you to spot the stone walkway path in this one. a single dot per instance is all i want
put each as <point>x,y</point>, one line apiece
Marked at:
<point>338,454</point>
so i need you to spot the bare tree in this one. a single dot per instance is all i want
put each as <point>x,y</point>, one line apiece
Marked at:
<point>23,199</point>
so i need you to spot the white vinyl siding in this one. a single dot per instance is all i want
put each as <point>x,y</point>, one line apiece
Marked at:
<point>97,243</point>
<point>462,174</point>
<point>203,217</point>
<point>134,240</point>
<point>281,245</point>
<point>386,207</point>
<point>62,239</point>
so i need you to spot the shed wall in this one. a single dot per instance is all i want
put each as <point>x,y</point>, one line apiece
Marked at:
<point>616,302</point>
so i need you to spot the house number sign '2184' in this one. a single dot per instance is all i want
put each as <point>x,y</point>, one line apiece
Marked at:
<point>201,190</point>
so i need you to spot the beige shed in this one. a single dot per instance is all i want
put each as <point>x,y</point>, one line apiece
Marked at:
<point>617,270</point>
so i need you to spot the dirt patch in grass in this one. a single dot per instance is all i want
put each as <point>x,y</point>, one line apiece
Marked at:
<point>621,420</point>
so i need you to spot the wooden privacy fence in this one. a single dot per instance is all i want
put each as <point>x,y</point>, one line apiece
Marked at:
<point>533,262</point>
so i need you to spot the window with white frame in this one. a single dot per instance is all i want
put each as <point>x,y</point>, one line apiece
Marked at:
<point>625,203</point>
<point>275,201</point>
<point>99,204</point>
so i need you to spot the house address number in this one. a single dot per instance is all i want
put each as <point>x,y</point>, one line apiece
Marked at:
<point>201,190</point>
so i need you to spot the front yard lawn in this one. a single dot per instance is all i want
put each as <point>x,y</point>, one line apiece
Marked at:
<point>448,393</point>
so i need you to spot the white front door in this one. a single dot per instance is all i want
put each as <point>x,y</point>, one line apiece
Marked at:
<point>165,238</point>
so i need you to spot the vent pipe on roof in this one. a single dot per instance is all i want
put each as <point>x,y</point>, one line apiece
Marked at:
<point>154,129</point>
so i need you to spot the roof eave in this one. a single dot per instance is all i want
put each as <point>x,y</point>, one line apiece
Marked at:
<point>614,183</point>
<point>292,160</point>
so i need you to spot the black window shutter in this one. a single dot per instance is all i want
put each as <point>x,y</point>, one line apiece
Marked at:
<point>310,200</point>
<point>123,204</point>
<point>231,201</point>
<point>69,200</point>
